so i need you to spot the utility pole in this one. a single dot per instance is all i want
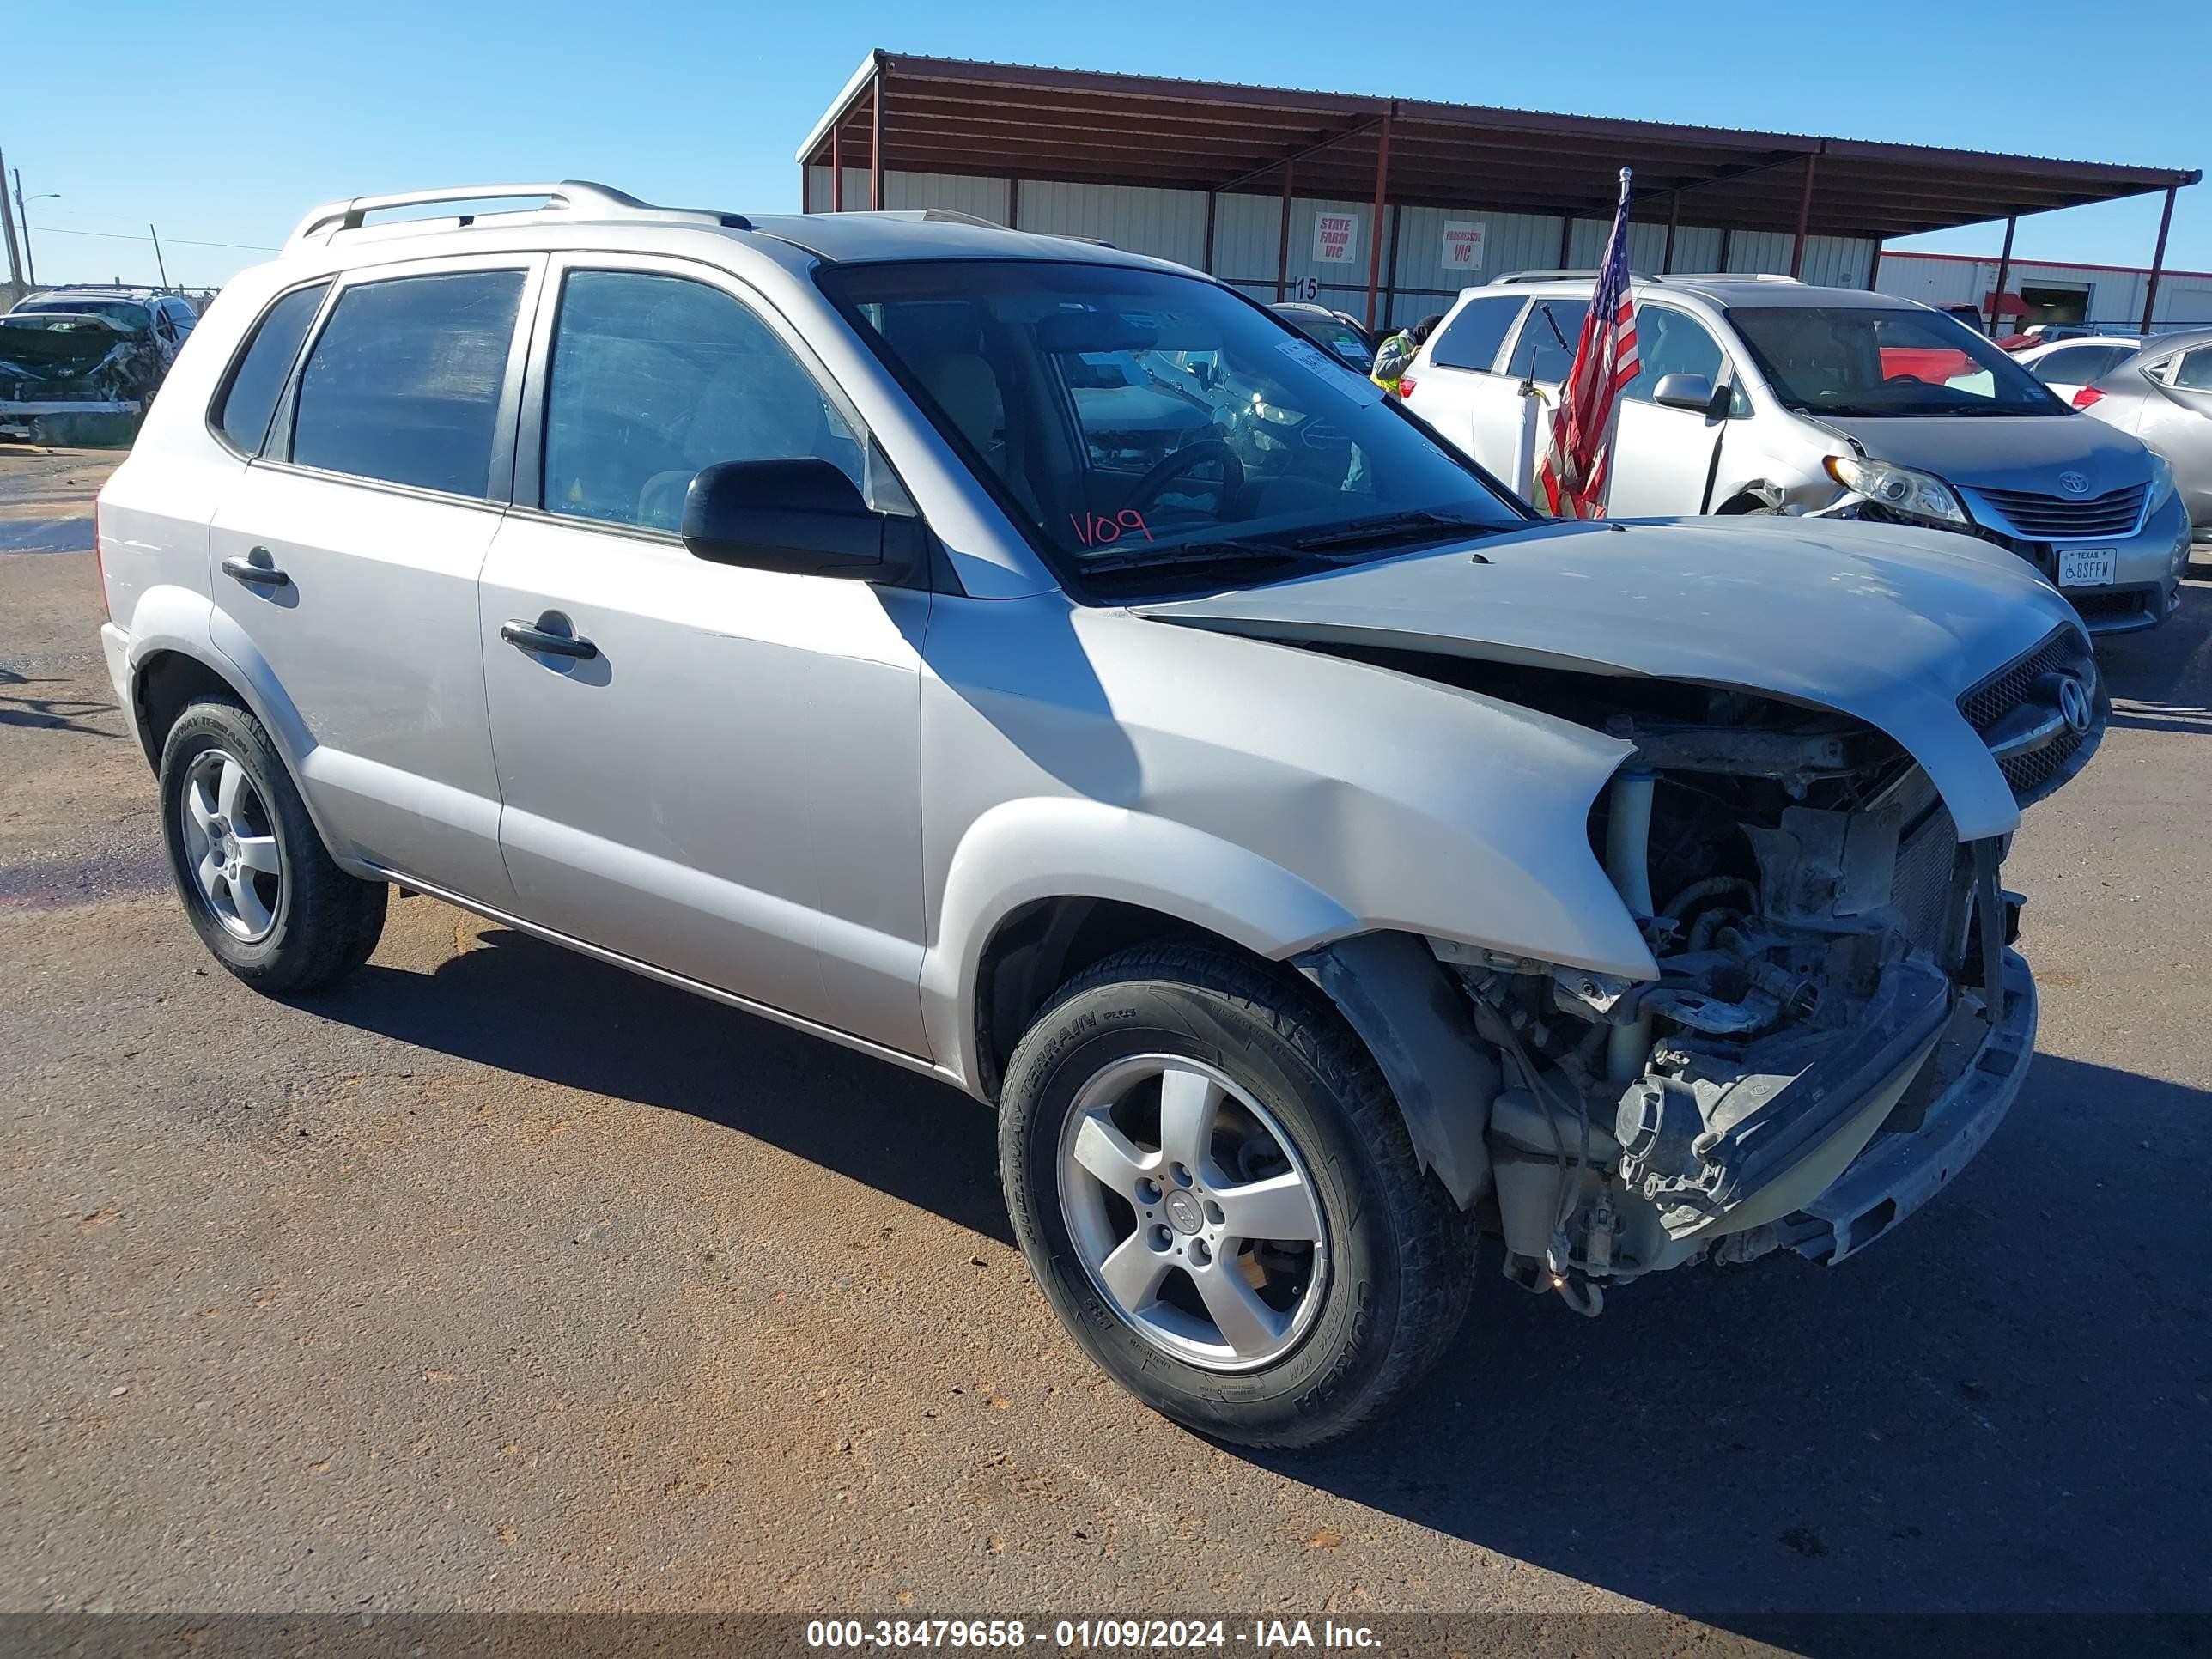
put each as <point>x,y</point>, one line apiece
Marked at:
<point>158,262</point>
<point>7,226</point>
<point>30,270</point>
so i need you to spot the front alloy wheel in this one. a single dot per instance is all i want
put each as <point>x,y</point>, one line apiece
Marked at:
<point>1190,1209</point>
<point>1215,1190</point>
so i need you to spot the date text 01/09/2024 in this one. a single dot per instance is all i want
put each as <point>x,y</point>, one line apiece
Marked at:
<point>1080,1635</point>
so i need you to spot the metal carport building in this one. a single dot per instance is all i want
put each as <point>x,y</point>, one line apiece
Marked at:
<point>1278,191</point>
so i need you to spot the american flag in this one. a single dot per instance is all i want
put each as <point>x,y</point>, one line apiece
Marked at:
<point>1576,467</point>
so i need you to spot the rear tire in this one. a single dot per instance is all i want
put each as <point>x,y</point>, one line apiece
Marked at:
<point>263,892</point>
<point>1143,1263</point>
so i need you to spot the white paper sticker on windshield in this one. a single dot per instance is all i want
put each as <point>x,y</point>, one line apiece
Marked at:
<point>1346,379</point>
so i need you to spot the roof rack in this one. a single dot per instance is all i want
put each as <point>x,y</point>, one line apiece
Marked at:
<point>1727,277</point>
<point>572,197</point>
<point>1511,277</point>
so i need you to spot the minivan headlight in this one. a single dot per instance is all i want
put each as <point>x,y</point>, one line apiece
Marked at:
<point>1900,488</point>
<point>2162,481</point>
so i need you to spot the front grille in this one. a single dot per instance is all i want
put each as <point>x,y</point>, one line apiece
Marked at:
<point>2058,517</point>
<point>2031,774</point>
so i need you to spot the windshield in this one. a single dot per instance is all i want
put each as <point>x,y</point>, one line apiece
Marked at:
<point>1869,361</point>
<point>128,313</point>
<point>1131,420</point>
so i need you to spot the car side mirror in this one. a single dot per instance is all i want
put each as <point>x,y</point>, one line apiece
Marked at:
<point>805,518</point>
<point>1694,393</point>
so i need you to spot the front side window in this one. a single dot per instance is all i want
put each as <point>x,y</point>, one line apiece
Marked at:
<point>1475,332</point>
<point>1132,420</point>
<point>1670,342</point>
<point>242,413</point>
<point>655,377</point>
<point>1545,350</point>
<point>1874,361</point>
<point>404,384</point>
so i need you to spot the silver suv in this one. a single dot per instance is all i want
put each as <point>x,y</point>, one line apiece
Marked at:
<point>1761,395</point>
<point>1043,668</point>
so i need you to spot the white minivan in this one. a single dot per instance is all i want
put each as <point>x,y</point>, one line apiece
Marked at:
<point>1761,394</point>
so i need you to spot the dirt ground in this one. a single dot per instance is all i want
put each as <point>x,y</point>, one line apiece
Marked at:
<point>500,1279</point>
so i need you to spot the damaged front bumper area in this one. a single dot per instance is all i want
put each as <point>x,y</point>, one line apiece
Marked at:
<point>1952,1108</point>
<point>1837,1023</point>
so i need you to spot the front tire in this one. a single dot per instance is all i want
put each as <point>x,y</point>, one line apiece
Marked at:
<point>1214,1187</point>
<point>263,892</point>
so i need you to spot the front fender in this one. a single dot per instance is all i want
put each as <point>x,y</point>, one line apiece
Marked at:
<point>1063,846</point>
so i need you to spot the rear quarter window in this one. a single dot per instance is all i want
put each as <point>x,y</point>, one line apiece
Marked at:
<point>404,384</point>
<point>1472,338</point>
<point>249,397</point>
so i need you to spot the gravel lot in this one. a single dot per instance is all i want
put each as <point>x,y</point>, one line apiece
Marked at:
<point>502,1280</point>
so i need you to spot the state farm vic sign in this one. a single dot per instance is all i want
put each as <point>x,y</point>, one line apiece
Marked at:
<point>1336,236</point>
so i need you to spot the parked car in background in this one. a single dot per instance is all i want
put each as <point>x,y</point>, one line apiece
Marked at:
<point>1315,863</point>
<point>1764,395</point>
<point>79,364</point>
<point>1337,333</point>
<point>2162,395</point>
<point>2066,366</point>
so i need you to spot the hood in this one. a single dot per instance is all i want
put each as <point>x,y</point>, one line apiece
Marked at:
<point>1888,625</point>
<point>2004,451</point>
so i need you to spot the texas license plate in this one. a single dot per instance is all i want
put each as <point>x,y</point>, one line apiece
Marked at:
<point>2087,567</point>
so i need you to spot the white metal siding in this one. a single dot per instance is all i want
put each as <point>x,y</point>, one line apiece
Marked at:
<point>2112,296</point>
<point>1168,224</point>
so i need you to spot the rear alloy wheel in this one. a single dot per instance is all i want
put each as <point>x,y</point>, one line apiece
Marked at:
<point>263,891</point>
<point>1215,1190</point>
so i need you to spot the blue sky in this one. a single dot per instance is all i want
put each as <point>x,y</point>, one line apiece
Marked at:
<point>223,123</point>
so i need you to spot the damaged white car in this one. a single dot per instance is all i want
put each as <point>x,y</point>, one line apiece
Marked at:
<point>1041,667</point>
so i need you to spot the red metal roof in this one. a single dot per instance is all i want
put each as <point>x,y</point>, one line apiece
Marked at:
<point>950,115</point>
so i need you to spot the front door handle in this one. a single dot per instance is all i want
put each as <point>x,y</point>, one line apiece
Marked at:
<point>527,636</point>
<point>258,575</point>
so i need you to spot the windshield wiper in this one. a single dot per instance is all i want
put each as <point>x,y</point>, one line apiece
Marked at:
<point>1256,555</point>
<point>1420,524</point>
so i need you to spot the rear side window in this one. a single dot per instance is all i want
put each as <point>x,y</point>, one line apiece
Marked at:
<point>1545,350</point>
<point>404,383</point>
<point>242,413</point>
<point>1471,339</point>
<point>2195,370</point>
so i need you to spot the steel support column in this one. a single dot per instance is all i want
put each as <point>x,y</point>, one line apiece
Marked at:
<point>1804,214</point>
<point>837,166</point>
<point>2158,261</point>
<point>1566,238</point>
<point>1375,233</point>
<point>2004,275</point>
<point>1283,240</point>
<point>1390,281</point>
<point>1013,204</point>
<point>1212,202</point>
<point>876,139</point>
<point>1674,219</point>
<point>1873,268</point>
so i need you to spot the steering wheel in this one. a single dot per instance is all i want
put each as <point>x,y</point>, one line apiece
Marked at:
<point>1171,466</point>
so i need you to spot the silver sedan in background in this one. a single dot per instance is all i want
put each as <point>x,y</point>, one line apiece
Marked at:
<point>2163,395</point>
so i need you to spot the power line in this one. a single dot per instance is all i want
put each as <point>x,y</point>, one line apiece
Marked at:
<point>125,236</point>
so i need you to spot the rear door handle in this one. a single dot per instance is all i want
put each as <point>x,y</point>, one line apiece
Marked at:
<point>258,575</point>
<point>524,636</point>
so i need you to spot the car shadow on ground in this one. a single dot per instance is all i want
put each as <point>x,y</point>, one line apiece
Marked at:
<point>523,1005</point>
<point>1997,1408</point>
<point>2160,680</point>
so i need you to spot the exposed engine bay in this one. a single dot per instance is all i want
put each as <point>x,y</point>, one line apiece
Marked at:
<point>1831,961</point>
